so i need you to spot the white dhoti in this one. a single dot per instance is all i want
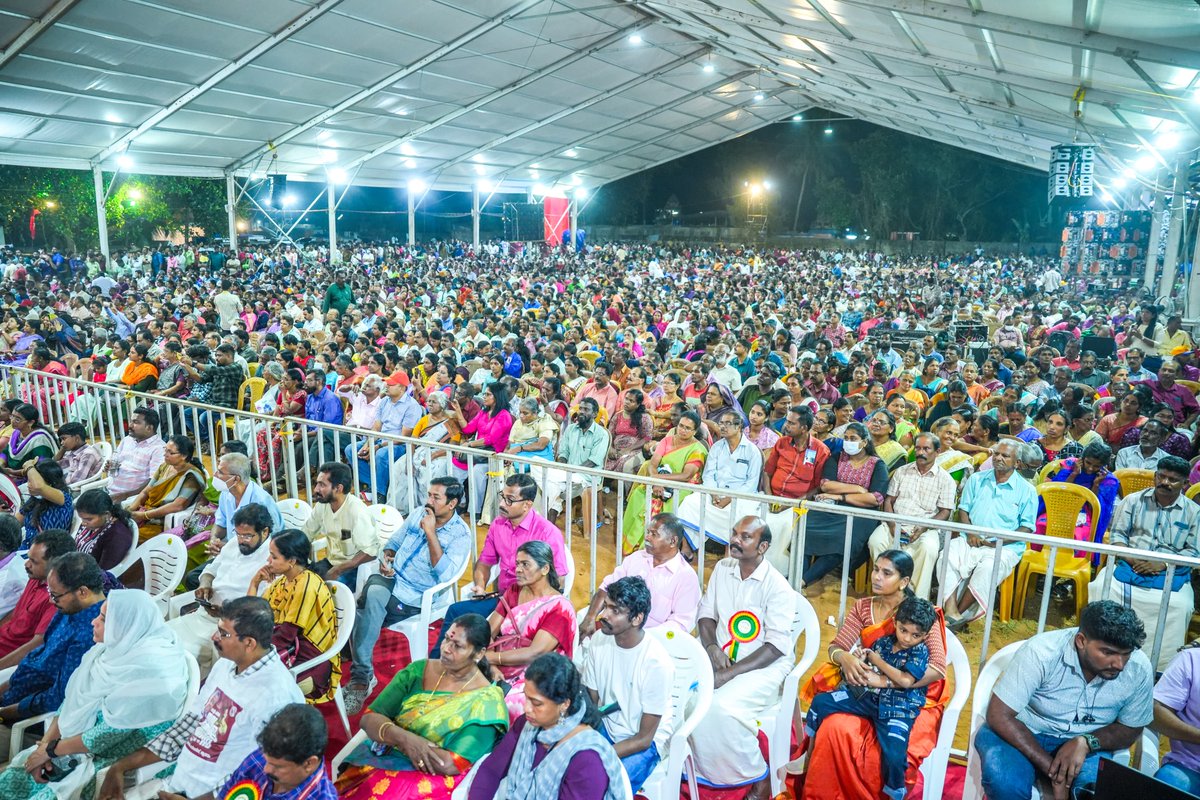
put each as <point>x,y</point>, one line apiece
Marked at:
<point>403,494</point>
<point>974,565</point>
<point>718,522</point>
<point>554,483</point>
<point>195,632</point>
<point>1145,603</point>
<point>725,743</point>
<point>924,551</point>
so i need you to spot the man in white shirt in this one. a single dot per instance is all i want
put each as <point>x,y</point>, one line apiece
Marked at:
<point>1148,452</point>
<point>632,672</point>
<point>228,306</point>
<point>221,725</point>
<point>225,578</point>
<point>725,373</point>
<point>748,596</point>
<point>13,577</point>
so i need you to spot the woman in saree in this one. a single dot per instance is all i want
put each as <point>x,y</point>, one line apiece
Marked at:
<point>130,687</point>
<point>305,616</point>
<point>290,402</point>
<point>874,394</point>
<point>882,427</point>
<point>29,442</point>
<point>534,434</point>
<point>845,747</point>
<point>175,486</point>
<point>856,478</point>
<point>104,528</point>
<point>246,430</point>
<point>959,464</point>
<point>663,420</point>
<point>1113,427</point>
<point>631,429</point>
<point>22,348</point>
<point>428,462</point>
<point>428,726</point>
<point>1174,443</point>
<point>714,402</point>
<point>532,618</point>
<point>173,380</point>
<point>680,457</point>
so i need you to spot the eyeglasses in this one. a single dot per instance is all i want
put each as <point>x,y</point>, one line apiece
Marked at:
<point>55,596</point>
<point>728,423</point>
<point>224,634</point>
<point>507,500</point>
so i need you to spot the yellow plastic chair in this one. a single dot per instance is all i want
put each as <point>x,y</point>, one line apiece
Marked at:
<point>252,369</point>
<point>1192,386</point>
<point>1045,472</point>
<point>589,357</point>
<point>249,393</point>
<point>1063,503</point>
<point>1134,480</point>
<point>1192,492</point>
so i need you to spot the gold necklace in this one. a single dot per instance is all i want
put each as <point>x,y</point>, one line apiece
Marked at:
<point>456,691</point>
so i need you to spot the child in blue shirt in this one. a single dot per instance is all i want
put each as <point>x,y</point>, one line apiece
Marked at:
<point>890,698</point>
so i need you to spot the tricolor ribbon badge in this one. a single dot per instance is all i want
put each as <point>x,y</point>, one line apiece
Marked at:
<point>246,790</point>
<point>744,626</point>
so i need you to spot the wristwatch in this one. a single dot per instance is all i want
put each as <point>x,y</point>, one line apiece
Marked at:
<point>51,747</point>
<point>1092,742</point>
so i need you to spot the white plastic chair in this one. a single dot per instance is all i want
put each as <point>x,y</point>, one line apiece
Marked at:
<point>460,791</point>
<point>101,479</point>
<point>468,591</point>
<point>294,512</point>
<point>933,768</point>
<point>434,602</point>
<point>387,521</point>
<point>343,603</point>
<point>164,564</point>
<point>779,727</point>
<point>691,697</point>
<point>991,672</point>
<point>9,492</point>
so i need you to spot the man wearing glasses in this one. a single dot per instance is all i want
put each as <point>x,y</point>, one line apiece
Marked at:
<point>516,524</point>
<point>734,463</point>
<point>75,584</point>
<point>1163,520</point>
<point>223,579</point>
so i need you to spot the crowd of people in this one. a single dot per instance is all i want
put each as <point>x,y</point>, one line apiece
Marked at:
<point>925,388</point>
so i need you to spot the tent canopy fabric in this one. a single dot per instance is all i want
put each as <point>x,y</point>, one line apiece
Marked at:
<point>574,92</point>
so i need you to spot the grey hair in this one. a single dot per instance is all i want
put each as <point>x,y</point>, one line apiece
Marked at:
<point>373,380</point>
<point>438,399</point>
<point>933,438</point>
<point>531,405</point>
<point>1030,455</point>
<point>238,464</point>
<point>274,369</point>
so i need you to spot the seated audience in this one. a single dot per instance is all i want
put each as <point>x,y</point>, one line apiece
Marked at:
<point>1092,473</point>
<point>128,688</point>
<point>30,442</point>
<point>1160,519</point>
<point>289,763</point>
<point>50,504</point>
<point>488,431</point>
<point>920,489</point>
<point>998,498</point>
<point>105,528</point>
<point>433,720</point>
<point>1035,727</point>
<point>557,736</point>
<point>680,457</point>
<point>429,549</point>
<point>23,629</point>
<point>218,730</point>
<point>584,444</point>
<point>794,468</point>
<point>632,430</point>
<point>1148,451</point>
<point>674,586</point>
<point>428,461</point>
<point>305,616</point>
<point>733,463</point>
<point>76,587</point>
<point>845,758</point>
<point>79,460</point>
<point>223,579</point>
<point>176,485</point>
<point>1176,698</point>
<point>631,672</point>
<point>137,457</point>
<point>533,617</point>
<point>397,414</point>
<point>749,671</point>
<point>343,520</point>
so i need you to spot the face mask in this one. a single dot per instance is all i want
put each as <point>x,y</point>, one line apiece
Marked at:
<point>852,448</point>
<point>220,485</point>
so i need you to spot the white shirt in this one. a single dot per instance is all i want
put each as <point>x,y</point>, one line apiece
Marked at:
<point>639,680</point>
<point>766,594</point>
<point>231,571</point>
<point>233,710</point>
<point>1132,458</point>
<point>228,307</point>
<point>728,377</point>
<point>348,531</point>
<point>12,582</point>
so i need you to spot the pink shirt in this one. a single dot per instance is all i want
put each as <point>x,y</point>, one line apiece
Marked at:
<point>674,589</point>
<point>492,430</point>
<point>503,539</point>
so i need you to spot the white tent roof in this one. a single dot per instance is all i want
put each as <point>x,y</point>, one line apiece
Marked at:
<point>529,91</point>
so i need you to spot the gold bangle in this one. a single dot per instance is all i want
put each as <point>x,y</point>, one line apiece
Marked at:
<point>382,728</point>
<point>499,658</point>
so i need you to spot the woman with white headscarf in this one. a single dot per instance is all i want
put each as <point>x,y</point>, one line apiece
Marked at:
<point>427,462</point>
<point>130,687</point>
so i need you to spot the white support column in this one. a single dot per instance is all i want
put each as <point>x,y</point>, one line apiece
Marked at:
<point>1175,231</point>
<point>335,255</point>
<point>475,219</point>
<point>101,215</point>
<point>1156,212</point>
<point>574,219</point>
<point>412,216</point>
<point>1193,304</point>
<point>231,209</point>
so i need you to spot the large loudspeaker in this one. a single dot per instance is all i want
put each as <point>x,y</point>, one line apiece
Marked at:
<point>1072,167</point>
<point>524,222</point>
<point>278,189</point>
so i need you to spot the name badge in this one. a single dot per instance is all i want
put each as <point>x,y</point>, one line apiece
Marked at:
<point>810,457</point>
<point>346,533</point>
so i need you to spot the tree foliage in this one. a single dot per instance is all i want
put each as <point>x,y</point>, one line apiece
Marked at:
<point>137,207</point>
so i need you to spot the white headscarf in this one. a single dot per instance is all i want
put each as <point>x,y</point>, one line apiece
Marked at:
<point>137,677</point>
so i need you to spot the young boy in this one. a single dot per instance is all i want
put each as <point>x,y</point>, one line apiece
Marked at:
<point>890,698</point>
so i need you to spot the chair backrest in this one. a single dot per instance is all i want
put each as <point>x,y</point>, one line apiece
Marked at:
<point>933,768</point>
<point>806,623</point>
<point>105,449</point>
<point>1046,471</point>
<point>1192,386</point>
<point>257,387</point>
<point>387,521</point>
<point>692,687</point>
<point>988,676</point>
<point>1063,503</point>
<point>1134,480</point>
<point>164,563</point>
<point>294,512</point>
<point>9,493</point>
<point>344,607</point>
<point>1192,491</point>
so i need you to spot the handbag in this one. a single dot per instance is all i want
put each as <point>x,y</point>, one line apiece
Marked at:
<point>510,641</point>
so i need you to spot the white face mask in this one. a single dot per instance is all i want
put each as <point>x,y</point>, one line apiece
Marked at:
<point>220,485</point>
<point>852,448</point>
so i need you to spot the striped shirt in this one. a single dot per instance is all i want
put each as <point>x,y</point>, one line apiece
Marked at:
<point>1140,522</point>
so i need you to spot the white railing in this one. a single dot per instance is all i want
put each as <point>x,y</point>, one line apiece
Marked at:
<point>107,409</point>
